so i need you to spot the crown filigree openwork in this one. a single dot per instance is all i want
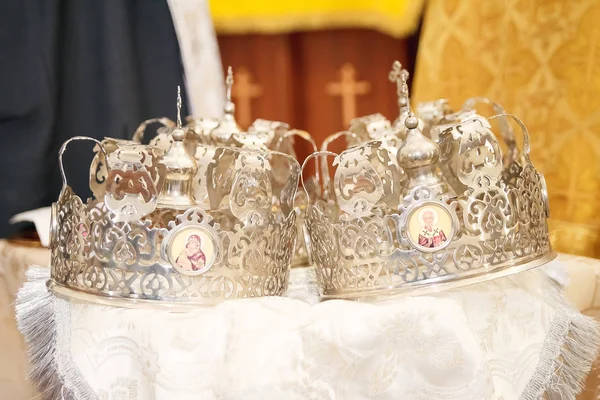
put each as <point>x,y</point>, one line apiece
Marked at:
<point>165,225</point>
<point>450,209</point>
<point>204,135</point>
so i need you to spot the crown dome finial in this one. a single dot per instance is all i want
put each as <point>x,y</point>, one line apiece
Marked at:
<point>417,151</point>
<point>418,155</point>
<point>180,169</point>
<point>228,125</point>
<point>411,122</point>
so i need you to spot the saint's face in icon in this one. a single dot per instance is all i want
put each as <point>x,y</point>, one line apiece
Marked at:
<point>192,258</point>
<point>431,235</point>
<point>428,218</point>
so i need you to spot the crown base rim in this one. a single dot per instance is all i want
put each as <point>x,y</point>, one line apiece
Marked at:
<point>439,284</point>
<point>171,305</point>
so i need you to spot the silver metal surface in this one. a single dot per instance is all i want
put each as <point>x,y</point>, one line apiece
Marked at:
<point>136,240</point>
<point>222,134</point>
<point>203,135</point>
<point>179,169</point>
<point>428,214</point>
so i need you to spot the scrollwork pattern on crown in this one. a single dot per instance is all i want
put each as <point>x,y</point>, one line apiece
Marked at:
<point>123,259</point>
<point>479,151</point>
<point>251,191</point>
<point>498,222</point>
<point>487,212</point>
<point>370,127</point>
<point>70,236</point>
<point>367,176</point>
<point>123,155</point>
<point>182,219</point>
<point>95,252</point>
<point>426,201</point>
<point>356,183</point>
<point>468,149</point>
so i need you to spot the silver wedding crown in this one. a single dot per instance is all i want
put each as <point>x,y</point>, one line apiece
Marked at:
<point>261,135</point>
<point>425,201</point>
<point>182,221</point>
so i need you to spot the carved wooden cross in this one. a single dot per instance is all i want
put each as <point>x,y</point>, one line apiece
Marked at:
<point>348,88</point>
<point>243,92</point>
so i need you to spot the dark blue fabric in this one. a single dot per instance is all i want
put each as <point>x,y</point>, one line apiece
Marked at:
<point>76,67</point>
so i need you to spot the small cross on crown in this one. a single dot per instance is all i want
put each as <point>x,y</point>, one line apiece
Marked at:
<point>229,82</point>
<point>400,76</point>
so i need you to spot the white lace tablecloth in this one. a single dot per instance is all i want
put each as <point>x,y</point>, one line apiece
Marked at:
<point>506,339</point>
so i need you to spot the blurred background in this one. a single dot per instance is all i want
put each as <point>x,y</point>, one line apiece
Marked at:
<point>100,68</point>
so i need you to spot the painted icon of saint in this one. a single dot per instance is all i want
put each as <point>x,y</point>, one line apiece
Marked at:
<point>431,235</point>
<point>192,257</point>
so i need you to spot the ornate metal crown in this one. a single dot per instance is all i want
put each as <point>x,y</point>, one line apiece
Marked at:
<point>425,212</point>
<point>262,135</point>
<point>166,225</point>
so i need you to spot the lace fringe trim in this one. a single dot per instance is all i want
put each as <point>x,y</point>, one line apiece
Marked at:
<point>566,358</point>
<point>51,367</point>
<point>567,355</point>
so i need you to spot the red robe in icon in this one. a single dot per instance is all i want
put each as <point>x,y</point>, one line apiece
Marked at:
<point>431,237</point>
<point>191,260</point>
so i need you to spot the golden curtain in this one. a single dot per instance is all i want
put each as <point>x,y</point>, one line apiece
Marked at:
<point>540,59</point>
<point>397,18</point>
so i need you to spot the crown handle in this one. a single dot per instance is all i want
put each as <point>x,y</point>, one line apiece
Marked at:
<point>138,135</point>
<point>505,128</point>
<point>328,140</point>
<point>288,194</point>
<point>63,149</point>
<point>325,181</point>
<point>305,136</point>
<point>525,154</point>
<point>526,146</point>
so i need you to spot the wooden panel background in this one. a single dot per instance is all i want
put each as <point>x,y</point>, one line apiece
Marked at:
<point>293,71</point>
